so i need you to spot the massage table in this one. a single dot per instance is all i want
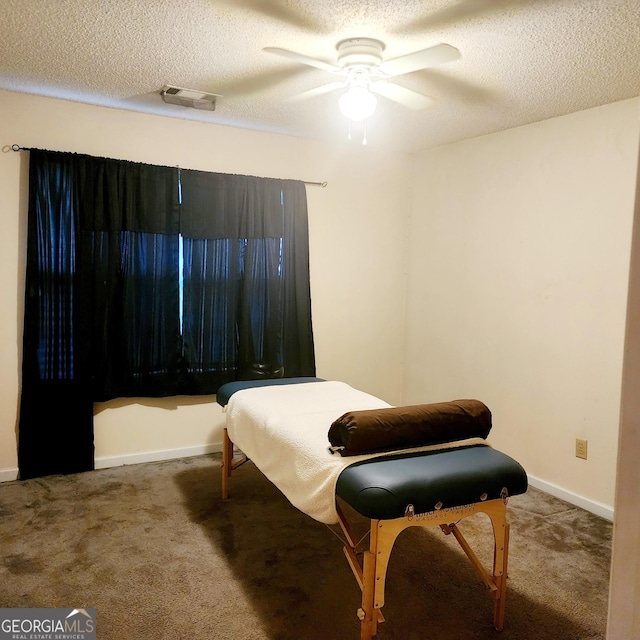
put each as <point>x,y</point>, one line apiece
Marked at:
<point>282,424</point>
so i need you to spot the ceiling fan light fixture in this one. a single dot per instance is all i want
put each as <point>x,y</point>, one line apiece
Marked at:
<point>358,103</point>
<point>355,52</point>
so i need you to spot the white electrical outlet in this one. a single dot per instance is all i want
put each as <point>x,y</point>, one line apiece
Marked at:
<point>581,448</point>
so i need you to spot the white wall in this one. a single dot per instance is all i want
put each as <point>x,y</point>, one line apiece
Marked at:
<point>356,243</point>
<point>624,595</point>
<point>519,258</point>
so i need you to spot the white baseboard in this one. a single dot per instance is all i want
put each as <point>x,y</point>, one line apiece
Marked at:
<point>597,508</point>
<point>105,462</point>
<point>157,456</point>
<point>7,475</point>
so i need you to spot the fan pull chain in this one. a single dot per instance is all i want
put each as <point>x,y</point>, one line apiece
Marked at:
<point>364,132</point>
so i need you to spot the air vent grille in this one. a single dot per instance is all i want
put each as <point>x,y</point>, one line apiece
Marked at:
<point>189,98</point>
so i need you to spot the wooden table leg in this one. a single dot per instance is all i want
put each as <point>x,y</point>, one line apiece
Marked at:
<point>227,458</point>
<point>500,573</point>
<point>368,614</point>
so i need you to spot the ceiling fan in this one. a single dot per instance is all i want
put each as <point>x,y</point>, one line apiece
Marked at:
<point>365,73</point>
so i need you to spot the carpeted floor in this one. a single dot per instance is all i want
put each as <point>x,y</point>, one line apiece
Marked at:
<point>154,550</point>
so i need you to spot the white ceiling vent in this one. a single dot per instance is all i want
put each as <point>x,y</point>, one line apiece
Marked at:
<point>189,98</point>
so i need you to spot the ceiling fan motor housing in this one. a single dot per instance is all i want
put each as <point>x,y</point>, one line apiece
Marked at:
<point>359,52</point>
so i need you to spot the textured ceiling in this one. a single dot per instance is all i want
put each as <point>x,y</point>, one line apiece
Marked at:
<point>521,60</point>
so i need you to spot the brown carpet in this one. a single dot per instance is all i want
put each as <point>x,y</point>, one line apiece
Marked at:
<point>158,555</point>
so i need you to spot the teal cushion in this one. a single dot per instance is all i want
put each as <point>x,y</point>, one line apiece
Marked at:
<point>225,392</point>
<point>382,488</point>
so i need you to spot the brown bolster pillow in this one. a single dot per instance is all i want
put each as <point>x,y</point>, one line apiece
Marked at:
<point>375,430</point>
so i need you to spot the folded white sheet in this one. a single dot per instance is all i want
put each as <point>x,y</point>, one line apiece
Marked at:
<point>284,430</point>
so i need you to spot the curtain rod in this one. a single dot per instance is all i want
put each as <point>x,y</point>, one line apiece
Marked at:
<point>17,147</point>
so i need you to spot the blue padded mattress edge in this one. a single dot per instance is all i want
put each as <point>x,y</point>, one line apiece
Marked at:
<point>381,488</point>
<point>229,388</point>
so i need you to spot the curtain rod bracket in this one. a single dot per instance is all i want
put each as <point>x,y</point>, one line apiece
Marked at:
<point>14,147</point>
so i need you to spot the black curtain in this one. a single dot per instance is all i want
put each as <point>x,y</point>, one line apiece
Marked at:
<point>132,293</point>
<point>246,274</point>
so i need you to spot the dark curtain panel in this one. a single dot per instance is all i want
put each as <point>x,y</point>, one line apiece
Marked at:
<point>101,300</point>
<point>246,264</point>
<point>128,290</point>
<point>56,410</point>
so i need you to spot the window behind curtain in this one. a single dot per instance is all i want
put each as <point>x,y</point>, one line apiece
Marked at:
<point>105,316</point>
<point>246,277</point>
<point>233,306</point>
<point>135,339</point>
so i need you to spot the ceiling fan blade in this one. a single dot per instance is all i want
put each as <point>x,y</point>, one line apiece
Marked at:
<point>318,91</point>
<point>255,84</point>
<point>401,95</point>
<point>462,90</point>
<point>424,59</point>
<point>288,15</point>
<point>458,12</point>
<point>302,59</point>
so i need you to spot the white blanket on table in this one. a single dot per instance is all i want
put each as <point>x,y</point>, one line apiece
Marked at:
<point>284,430</point>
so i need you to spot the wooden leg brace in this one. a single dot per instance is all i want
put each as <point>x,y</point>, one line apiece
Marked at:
<point>228,464</point>
<point>371,574</point>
